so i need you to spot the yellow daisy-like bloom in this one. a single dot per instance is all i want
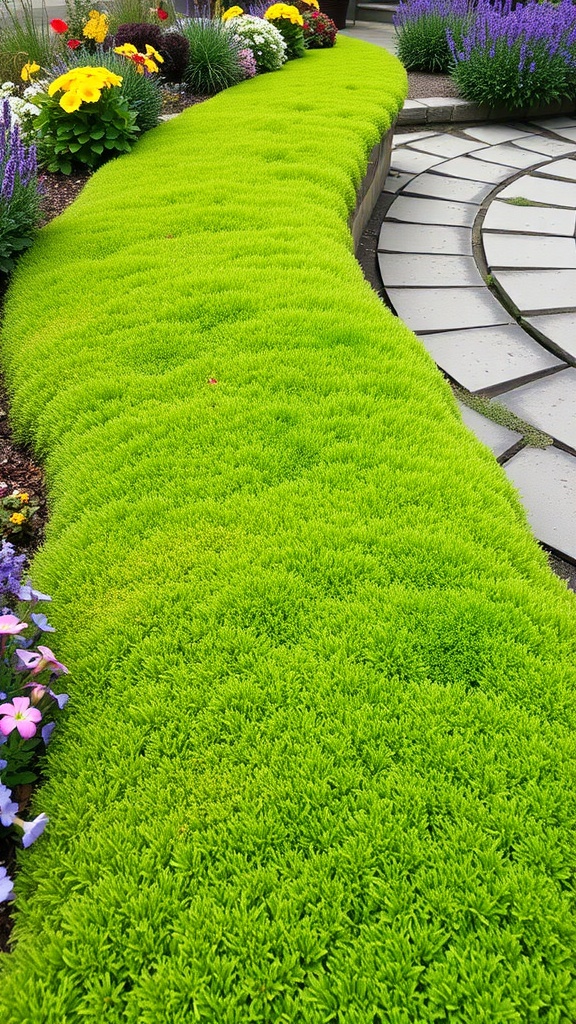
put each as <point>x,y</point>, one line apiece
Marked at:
<point>24,497</point>
<point>232,12</point>
<point>277,11</point>
<point>88,93</point>
<point>313,3</point>
<point>126,50</point>
<point>80,79</point>
<point>70,102</point>
<point>28,70</point>
<point>151,52</point>
<point>17,518</point>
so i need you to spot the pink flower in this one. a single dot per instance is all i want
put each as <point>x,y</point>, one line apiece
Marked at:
<point>10,624</point>
<point>21,716</point>
<point>38,662</point>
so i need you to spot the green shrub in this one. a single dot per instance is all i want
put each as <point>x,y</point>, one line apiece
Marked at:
<point>142,93</point>
<point>124,12</point>
<point>74,130</point>
<point>213,61</point>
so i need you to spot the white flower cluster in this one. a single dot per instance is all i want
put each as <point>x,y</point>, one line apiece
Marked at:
<point>265,41</point>
<point>22,109</point>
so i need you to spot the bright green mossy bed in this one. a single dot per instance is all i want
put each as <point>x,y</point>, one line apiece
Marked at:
<point>318,761</point>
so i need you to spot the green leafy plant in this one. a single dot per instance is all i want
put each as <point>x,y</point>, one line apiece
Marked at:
<point>124,12</point>
<point>213,60</point>
<point>83,120</point>
<point>17,512</point>
<point>288,20</point>
<point>142,93</point>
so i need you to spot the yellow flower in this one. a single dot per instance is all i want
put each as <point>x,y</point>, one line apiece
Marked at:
<point>150,65</point>
<point>232,12</point>
<point>24,497</point>
<point>17,518</point>
<point>313,3</point>
<point>28,70</point>
<point>96,27</point>
<point>88,93</point>
<point>126,50</point>
<point>70,102</point>
<point>151,52</point>
<point>277,11</point>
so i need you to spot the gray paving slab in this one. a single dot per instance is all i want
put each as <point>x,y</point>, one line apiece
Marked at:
<point>508,155</point>
<point>396,180</point>
<point>532,251</point>
<point>559,330</point>
<point>493,134</point>
<point>448,145</point>
<point>546,481</point>
<point>545,220</point>
<point>535,291</point>
<point>415,270</point>
<point>541,190</point>
<point>567,133</point>
<point>499,439</point>
<point>433,211</point>
<point>402,138</point>
<point>411,160</point>
<point>431,239</point>
<point>565,169</point>
<point>441,187</point>
<point>446,309</point>
<point>544,145</point>
<point>548,404</point>
<point>489,357</point>
<point>552,123</point>
<point>475,170</point>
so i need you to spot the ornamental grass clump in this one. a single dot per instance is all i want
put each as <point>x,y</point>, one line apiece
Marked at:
<point>422,26</point>
<point>289,22</point>
<point>84,120</point>
<point>263,38</point>
<point>19,197</point>
<point>29,706</point>
<point>214,57</point>
<point>512,57</point>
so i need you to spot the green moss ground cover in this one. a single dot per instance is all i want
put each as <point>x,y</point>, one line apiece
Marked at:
<point>318,763</point>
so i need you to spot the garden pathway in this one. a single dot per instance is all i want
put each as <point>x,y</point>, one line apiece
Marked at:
<point>477,254</point>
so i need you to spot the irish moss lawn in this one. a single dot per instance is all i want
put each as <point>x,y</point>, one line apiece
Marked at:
<point>318,759</point>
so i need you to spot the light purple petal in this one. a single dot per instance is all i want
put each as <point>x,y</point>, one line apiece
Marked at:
<point>47,731</point>
<point>41,621</point>
<point>33,829</point>
<point>6,886</point>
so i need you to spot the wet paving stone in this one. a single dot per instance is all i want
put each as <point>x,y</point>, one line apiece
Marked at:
<point>489,357</point>
<point>548,220</point>
<point>558,329</point>
<point>541,190</point>
<point>496,437</point>
<point>442,187</point>
<point>415,210</point>
<point>416,270</point>
<point>447,240</point>
<point>503,250</point>
<point>546,481</point>
<point>548,404</point>
<point>446,309</point>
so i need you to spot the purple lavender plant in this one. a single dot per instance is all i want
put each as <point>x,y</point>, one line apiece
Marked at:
<point>19,194</point>
<point>511,57</point>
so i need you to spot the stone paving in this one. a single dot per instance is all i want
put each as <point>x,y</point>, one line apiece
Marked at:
<point>477,254</point>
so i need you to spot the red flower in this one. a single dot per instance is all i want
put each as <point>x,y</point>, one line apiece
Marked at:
<point>74,43</point>
<point>58,26</point>
<point>137,58</point>
<point>162,14</point>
